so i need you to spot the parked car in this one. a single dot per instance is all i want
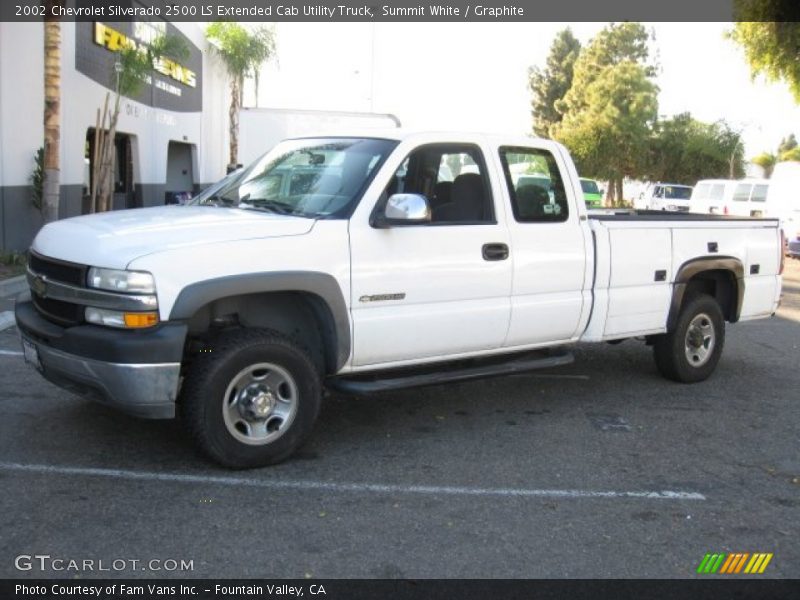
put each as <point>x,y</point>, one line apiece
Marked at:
<point>592,194</point>
<point>238,314</point>
<point>793,245</point>
<point>670,197</point>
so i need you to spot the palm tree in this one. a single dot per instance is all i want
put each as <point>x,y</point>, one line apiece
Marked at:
<point>52,114</point>
<point>243,52</point>
<point>765,160</point>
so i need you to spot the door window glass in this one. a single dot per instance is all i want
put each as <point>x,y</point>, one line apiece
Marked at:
<point>535,185</point>
<point>452,177</point>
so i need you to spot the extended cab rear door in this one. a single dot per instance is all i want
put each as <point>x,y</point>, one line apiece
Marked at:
<point>438,289</point>
<point>551,245</point>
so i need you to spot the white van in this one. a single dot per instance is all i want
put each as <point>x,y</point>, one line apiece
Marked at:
<point>783,201</point>
<point>710,195</point>
<point>667,196</point>
<point>749,198</point>
<point>743,197</point>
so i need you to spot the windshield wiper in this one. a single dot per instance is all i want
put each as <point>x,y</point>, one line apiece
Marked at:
<point>217,200</point>
<point>276,206</point>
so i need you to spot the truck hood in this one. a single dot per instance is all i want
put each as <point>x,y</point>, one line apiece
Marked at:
<point>114,239</point>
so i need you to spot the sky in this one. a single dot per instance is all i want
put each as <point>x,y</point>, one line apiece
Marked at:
<point>473,76</point>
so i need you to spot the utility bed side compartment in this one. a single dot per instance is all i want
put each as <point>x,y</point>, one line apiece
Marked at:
<point>754,244</point>
<point>639,288</point>
<point>763,283</point>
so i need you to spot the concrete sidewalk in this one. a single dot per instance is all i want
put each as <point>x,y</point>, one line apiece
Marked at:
<point>12,286</point>
<point>9,289</point>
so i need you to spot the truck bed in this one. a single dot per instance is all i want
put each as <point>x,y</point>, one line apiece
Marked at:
<point>633,214</point>
<point>639,255</point>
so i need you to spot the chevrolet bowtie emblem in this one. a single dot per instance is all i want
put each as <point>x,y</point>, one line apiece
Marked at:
<point>39,286</point>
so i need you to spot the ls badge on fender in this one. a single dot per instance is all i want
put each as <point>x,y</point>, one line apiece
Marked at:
<point>382,297</point>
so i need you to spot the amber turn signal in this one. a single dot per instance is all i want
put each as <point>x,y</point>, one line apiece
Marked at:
<point>138,320</point>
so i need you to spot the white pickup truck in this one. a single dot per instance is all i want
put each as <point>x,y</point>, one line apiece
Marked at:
<point>366,263</point>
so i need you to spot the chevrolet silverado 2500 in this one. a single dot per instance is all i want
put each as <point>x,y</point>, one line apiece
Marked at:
<point>368,263</point>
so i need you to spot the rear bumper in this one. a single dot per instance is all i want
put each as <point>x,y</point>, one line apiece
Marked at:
<point>136,372</point>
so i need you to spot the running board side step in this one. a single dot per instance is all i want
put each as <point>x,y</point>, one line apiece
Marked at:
<point>398,379</point>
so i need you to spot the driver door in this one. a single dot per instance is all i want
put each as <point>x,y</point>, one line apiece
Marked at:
<point>431,289</point>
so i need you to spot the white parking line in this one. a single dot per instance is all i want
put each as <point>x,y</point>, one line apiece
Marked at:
<point>327,486</point>
<point>556,376</point>
<point>10,353</point>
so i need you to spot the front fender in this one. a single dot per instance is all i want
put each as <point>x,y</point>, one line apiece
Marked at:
<point>194,296</point>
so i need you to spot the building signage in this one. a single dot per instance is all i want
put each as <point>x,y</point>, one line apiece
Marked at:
<point>174,85</point>
<point>113,40</point>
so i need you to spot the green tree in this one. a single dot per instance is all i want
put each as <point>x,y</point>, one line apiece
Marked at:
<point>243,51</point>
<point>549,85</point>
<point>793,154</point>
<point>787,145</point>
<point>684,150</point>
<point>765,160</point>
<point>769,33</point>
<point>454,164</point>
<point>609,111</point>
<point>132,66</point>
<point>787,150</point>
<point>37,181</point>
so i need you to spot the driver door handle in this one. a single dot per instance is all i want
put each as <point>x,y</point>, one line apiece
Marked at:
<point>495,251</point>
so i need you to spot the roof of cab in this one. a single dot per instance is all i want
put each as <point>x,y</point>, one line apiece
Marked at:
<point>402,134</point>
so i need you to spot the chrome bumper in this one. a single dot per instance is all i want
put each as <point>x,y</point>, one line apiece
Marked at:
<point>142,390</point>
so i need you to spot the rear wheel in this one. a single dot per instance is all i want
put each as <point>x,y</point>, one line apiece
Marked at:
<point>251,400</point>
<point>690,352</point>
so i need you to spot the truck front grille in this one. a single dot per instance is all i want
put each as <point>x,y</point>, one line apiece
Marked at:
<point>59,312</point>
<point>58,270</point>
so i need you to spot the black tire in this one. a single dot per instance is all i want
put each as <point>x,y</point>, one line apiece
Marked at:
<point>678,359</point>
<point>214,392</point>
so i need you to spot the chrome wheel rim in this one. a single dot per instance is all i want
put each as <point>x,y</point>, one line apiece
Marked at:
<point>700,340</point>
<point>260,404</point>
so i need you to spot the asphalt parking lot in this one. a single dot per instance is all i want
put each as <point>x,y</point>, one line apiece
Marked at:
<point>599,469</point>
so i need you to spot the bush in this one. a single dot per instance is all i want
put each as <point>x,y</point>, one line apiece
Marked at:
<point>37,180</point>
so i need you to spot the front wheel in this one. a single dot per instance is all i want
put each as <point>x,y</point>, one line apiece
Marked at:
<point>690,352</point>
<point>251,399</point>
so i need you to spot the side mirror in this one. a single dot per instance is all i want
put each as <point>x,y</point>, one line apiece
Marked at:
<point>404,209</point>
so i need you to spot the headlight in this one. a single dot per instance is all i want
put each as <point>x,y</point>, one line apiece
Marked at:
<point>136,282</point>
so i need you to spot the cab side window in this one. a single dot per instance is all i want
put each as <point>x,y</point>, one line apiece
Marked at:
<point>535,185</point>
<point>453,179</point>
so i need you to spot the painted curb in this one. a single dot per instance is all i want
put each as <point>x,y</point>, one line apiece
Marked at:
<point>13,286</point>
<point>6,320</point>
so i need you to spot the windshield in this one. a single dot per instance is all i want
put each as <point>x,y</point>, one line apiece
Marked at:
<point>214,188</point>
<point>589,186</point>
<point>677,192</point>
<point>315,178</point>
